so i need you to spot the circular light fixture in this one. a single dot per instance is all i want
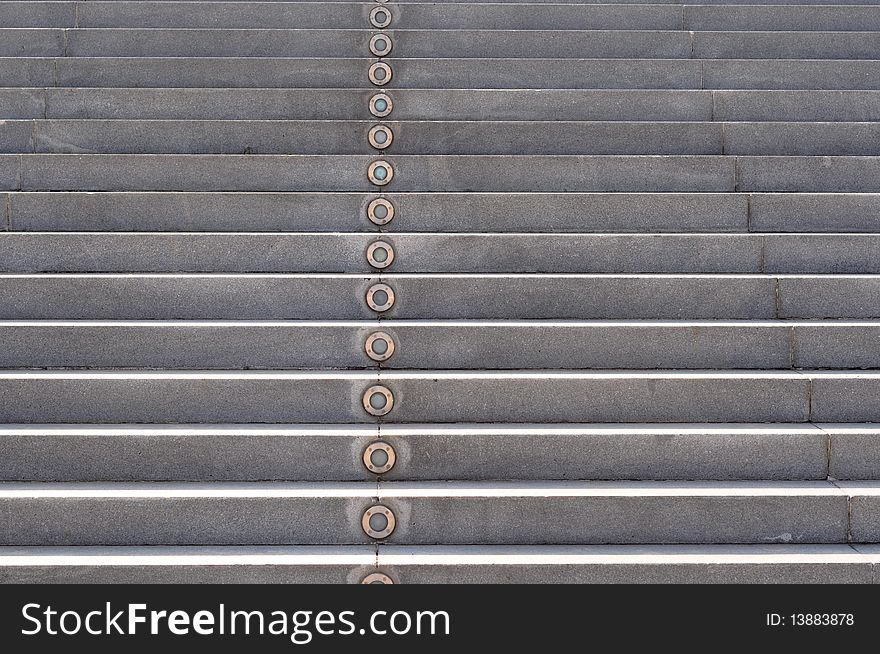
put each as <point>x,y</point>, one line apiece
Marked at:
<point>379,457</point>
<point>380,136</point>
<point>380,254</point>
<point>379,346</point>
<point>377,577</point>
<point>380,297</point>
<point>380,45</point>
<point>380,17</point>
<point>380,211</point>
<point>381,105</point>
<point>380,73</point>
<point>378,521</point>
<point>378,401</point>
<point>380,173</point>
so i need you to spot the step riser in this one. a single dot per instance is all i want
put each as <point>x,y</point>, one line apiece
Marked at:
<point>444,74</point>
<point>429,212</point>
<point>304,399</point>
<point>464,173</point>
<point>341,104</point>
<point>538,573</point>
<point>460,43</point>
<point>681,573</point>
<point>416,253</point>
<point>444,212</point>
<point>356,16</point>
<point>428,456</point>
<point>197,573</point>
<point>432,138</point>
<point>498,346</point>
<point>428,521</point>
<point>527,297</point>
<point>449,16</point>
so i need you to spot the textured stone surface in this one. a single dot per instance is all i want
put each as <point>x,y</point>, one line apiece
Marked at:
<point>355,15</point>
<point>829,297</point>
<point>786,45</point>
<point>407,43</point>
<point>790,74</point>
<point>409,104</point>
<point>184,452</point>
<point>598,397</point>
<point>189,297</point>
<point>581,296</point>
<point>349,73</point>
<point>31,42</point>
<point>830,345</point>
<point>796,105</point>
<point>176,514</point>
<point>781,18</point>
<point>845,397</point>
<point>819,253</point>
<point>170,252</point>
<point>813,212</point>
<point>595,513</point>
<point>618,452</point>
<point>350,137</point>
<point>854,451</point>
<point>808,174</point>
<point>802,139</point>
<point>415,212</point>
<point>541,344</point>
<point>181,397</point>
<point>226,565</point>
<point>224,345</point>
<point>864,511</point>
<point>38,14</point>
<point>759,564</point>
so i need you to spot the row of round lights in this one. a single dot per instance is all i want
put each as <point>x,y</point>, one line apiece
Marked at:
<point>378,521</point>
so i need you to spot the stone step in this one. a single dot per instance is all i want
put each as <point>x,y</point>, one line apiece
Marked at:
<point>521,296</point>
<point>462,16</point>
<point>449,173</point>
<point>446,105</point>
<point>594,564</point>
<point>443,43</point>
<point>306,345</point>
<point>351,564</point>
<point>297,564</point>
<point>429,73</point>
<point>356,15</point>
<point>467,396</point>
<point>445,212</point>
<point>350,137</point>
<point>426,513</point>
<point>439,452</point>
<point>252,252</point>
<point>444,253</point>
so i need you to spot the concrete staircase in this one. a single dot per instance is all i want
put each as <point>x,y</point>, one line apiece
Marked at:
<point>437,292</point>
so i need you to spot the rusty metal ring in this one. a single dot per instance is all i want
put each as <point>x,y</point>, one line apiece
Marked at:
<point>376,453</point>
<point>379,346</point>
<point>380,173</point>
<point>384,512</point>
<point>380,136</point>
<point>381,105</point>
<point>380,45</point>
<point>377,577</point>
<point>380,17</point>
<point>380,211</point>
<point>380,254</point>
<point>380,297</point>
<point>380,73</point>
<point>378,401</point>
